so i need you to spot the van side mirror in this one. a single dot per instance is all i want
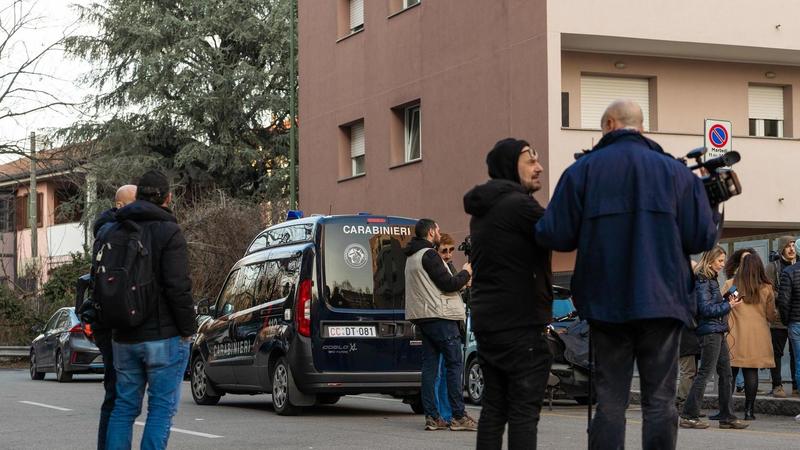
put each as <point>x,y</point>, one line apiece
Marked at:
<point>202,308</point>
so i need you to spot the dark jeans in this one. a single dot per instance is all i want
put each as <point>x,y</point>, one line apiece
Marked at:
<point>103,341</point>
<point>779,338</point>
<point>515,365</point>
<point>714,355</point>
<point>653,345</point>
<point>441,337</point>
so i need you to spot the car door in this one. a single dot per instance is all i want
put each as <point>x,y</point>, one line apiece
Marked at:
<point>51,335</point>
<point>44,357</point>
<point>247,321</point>
<point>217,334</point>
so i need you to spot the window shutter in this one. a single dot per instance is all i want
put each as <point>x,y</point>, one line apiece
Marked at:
<point>357,139</point>
<point>39,209</point>
<point>598,92</point>
<point>765,102</point>
<point>356,13</point>
<point>22,212</point>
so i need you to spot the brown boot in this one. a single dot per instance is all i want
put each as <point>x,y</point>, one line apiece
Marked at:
<point>733,424</point>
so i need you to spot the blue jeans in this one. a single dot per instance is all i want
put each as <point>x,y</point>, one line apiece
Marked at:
<point>441,337</point>
<point>159,365</point>
<point>794,338</point>
<point>442,402</point>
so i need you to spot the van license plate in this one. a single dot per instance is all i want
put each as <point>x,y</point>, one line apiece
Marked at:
<point>351,331</point>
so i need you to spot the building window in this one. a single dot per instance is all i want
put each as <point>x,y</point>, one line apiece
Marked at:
<point>765,105</point>
<point>409,3</point>
<point>7,214</point>
<point>357,148</point>
<point>22,211</point>
<point>68,204</point>
<point>413,133</point>
<point>599,92</point>
<point>356,15</point>
<point>565,109</point>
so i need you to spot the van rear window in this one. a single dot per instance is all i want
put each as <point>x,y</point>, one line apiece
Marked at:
<point>364,265</point>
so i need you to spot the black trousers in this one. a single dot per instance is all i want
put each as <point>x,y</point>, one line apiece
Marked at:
<point>103,341</point>
<point>653,345</point>
<point>779,338</point>
<point>515,365</point>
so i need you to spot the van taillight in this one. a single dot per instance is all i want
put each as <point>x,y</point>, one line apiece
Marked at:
<point>303,309</point>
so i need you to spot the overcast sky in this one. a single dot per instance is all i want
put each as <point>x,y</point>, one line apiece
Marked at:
<point>60,74</point>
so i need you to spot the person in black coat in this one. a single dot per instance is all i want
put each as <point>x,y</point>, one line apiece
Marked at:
<point>511,296</point>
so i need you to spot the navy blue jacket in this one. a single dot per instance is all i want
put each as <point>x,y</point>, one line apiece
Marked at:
<point>634,214</point>
<point>712,309</point>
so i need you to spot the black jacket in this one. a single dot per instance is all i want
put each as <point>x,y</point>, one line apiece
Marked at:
<point>432,263</point>
<point>690,345</point>
<point>789,294</point>
<point>712,309</point>
<point>512,277</point>
<point>175,314</point>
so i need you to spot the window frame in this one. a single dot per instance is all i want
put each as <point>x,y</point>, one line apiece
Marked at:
<point>408,132</point>
<point>355,157</point>
<point>354,28</point>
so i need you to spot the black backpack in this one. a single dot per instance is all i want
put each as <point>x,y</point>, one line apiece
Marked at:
<point>124,286</point>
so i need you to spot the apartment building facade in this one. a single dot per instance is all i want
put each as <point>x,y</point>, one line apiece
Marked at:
<point>400,100</point>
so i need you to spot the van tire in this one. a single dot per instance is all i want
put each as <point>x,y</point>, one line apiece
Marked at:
<point>416,404</point>
<point>200,383</point>
<point>281,400</point>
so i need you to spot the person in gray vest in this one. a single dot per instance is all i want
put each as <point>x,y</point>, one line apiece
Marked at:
<point>434,306</point>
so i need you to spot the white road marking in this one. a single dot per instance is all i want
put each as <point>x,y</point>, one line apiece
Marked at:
<point>193,433</point>
<point>45,406</point>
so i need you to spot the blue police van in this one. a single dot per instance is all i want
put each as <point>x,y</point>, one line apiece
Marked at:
<point>313,311</point>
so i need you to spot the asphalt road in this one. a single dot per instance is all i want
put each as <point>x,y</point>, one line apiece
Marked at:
<point>49,415</point>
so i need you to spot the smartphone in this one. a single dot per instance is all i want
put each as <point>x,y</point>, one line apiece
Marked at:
<point>732,291</point>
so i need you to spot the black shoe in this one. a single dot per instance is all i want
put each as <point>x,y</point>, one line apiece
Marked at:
<point>748,415</point>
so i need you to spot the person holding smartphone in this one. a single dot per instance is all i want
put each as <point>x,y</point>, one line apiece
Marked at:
<point>713,309</point>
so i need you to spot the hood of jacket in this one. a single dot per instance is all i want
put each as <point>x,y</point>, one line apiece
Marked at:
<point>416,244</point>
<point>480,199</point>
<point>105,217</point>
<point>143,211</point>
<point>627,134</point>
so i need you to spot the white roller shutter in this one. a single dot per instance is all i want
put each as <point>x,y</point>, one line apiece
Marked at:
<point>765,102</point>
<point>598,92</point>
<point>357,139</point>
<point>356,13</point>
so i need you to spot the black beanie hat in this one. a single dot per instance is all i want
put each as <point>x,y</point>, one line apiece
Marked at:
<point>502,159</point>
<point>153,184</point>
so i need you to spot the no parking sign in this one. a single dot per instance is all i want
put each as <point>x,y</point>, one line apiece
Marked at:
<point>718,137</point>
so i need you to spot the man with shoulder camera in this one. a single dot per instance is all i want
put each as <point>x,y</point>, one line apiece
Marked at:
<point>512,295</point>
<point>634,214</point>
<point>435,308</point>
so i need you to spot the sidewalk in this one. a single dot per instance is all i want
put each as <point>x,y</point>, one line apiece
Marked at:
<point>765,404</point>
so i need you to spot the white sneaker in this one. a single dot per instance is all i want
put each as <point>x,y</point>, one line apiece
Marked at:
<point>797,417</point>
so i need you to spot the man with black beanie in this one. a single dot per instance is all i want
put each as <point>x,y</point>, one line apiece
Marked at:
<point>154,353</point>
<point>511,295</point>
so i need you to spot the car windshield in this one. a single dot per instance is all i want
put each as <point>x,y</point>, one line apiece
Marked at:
<point>364,264</point>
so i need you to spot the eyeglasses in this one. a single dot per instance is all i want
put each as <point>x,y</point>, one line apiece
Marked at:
<point>531,152</point>
<point>447,250</point>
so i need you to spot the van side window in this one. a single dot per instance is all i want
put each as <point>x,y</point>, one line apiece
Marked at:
<point>244,297</point>
<point>278,279</point>
<point>225,302</point>
<point>259,244</point>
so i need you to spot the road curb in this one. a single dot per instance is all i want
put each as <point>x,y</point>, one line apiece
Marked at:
<point>763,405</point>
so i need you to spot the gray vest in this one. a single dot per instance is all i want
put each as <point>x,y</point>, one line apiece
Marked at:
<point>423,299</point>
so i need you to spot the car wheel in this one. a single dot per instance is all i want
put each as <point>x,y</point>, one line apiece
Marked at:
<point>416,404</point>
<point>200,384</point>
<point>475,382</point>
<point>281,400</point>
<point>62,375</point>
<point>35,374</point>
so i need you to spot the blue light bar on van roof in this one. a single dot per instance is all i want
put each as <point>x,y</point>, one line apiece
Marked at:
<point>293,214</point>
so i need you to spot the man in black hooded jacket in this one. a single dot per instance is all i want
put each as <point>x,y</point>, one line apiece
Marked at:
<point>511,295</point>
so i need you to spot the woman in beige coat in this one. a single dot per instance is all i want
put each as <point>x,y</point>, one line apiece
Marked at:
<point>749,338</point>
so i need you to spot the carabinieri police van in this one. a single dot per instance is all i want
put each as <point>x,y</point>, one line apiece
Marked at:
<point>315,310</point>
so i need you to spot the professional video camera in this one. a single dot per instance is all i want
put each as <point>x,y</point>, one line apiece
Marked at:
<point>720,182</point>
<point>466,246</point>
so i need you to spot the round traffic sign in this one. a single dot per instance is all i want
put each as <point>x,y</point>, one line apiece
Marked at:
<point>718,135</point>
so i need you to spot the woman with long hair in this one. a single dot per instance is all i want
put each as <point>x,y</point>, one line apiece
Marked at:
<point>749,339</point>
<point>712,311</point>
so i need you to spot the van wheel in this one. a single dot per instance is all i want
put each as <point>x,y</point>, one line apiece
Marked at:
<point>280,390</point>
<point>475,382</point>
<point>61,371</point>
<point>416,404</point>
<point>200,383</point>
<point>35,374</point>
